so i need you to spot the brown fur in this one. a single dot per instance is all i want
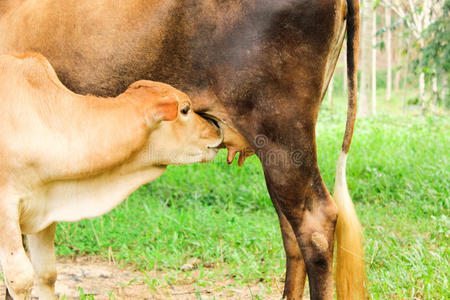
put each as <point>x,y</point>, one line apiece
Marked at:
<point>260,67</point>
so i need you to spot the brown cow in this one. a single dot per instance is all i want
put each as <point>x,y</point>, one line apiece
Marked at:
<point>260,67</point>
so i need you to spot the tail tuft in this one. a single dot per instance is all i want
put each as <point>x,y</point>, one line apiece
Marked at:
<point>350,273</point>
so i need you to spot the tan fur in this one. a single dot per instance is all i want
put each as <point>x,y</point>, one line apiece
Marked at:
<point>319,241</point>
<point>350,272</point>
<point>66,157</point>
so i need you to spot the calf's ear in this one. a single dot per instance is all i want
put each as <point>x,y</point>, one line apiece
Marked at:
<point>165,110</point>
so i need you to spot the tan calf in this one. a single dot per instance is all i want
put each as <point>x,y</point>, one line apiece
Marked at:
<point>66,157</point>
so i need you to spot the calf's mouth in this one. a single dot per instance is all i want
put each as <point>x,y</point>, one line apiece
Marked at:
<point>215,123</point>
<point>230,139</point>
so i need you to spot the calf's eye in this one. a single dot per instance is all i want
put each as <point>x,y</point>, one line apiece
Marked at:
<point>186,110</point>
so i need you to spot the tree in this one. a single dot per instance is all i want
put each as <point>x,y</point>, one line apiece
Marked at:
<point>416,16</point>
<point>330,93</point>
<point>344,68</point>
<point>374,63</point>
<point>365,107</point>
<point>388,24</point>
<point>434,57</point>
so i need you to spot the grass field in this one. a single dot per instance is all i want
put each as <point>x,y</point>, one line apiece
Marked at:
<point>220,215</point>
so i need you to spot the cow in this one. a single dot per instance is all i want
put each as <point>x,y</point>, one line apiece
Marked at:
<point>66,157</point>
<point>260,68</point>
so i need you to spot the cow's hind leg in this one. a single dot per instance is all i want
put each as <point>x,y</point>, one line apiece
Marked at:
<point>285,143</point>
<point>312,213</point>
<point>42,252</point>
<point>16,266</point>
<point>295,266</point>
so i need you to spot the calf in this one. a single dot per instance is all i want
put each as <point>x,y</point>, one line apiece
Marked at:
<point>66,157</point>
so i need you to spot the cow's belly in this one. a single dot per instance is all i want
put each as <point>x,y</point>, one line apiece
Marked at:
<point>74,200</point>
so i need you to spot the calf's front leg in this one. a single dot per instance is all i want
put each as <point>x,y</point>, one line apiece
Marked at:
<point>16,266</point>
<point>42,252</point>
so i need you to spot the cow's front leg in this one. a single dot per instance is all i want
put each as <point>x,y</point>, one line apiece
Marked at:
<point>16,266</point>
<point>42,252</point>
<point>295,266</point>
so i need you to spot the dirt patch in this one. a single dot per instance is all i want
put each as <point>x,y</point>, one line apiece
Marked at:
<point>103,280</point>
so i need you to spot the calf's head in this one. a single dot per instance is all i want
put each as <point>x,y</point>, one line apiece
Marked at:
<point>177,134</point>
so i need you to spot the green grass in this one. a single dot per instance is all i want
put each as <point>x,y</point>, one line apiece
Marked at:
<point>398,175</point>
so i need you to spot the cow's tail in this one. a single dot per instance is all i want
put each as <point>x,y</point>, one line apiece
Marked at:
<point>350,272</point>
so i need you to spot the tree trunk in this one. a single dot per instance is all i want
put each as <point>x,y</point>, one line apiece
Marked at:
<point>330,94</point>
<point>422,91</point>
<point>366,61</point>
<point>374,63</point>
<point>398,76</point>
<point>435,97</point>
<point>406,70</point>
<point>344,69</point>
<point>388,18</point>
<point>445,97</point>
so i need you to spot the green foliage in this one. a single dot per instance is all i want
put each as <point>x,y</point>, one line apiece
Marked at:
<point>436,53</point>
<point>434,57</point>
<point>426,45</point>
